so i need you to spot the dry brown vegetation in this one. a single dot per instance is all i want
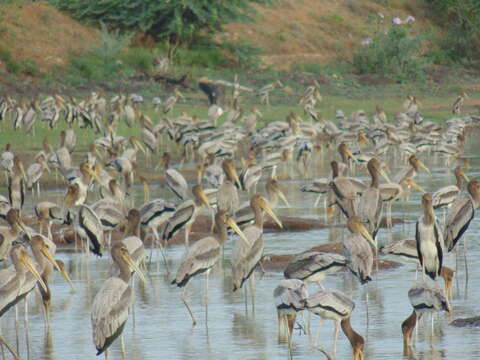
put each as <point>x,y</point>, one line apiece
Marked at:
<point>288,32</point>
<point>38,32</point>
<point>309,31</point>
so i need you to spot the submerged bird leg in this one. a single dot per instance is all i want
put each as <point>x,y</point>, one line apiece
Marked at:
<point>252,289</point>
<point>162,250</point>
<point>133,302</point>
<point>205,296</point>
<point>2,343</point>
<point>308,327</point>
<point>337,330</point>
<point>282,328</point>
<point>184,300</point>
<point>27,339</point>
<point>246,299</point>
<point>320,325</point>
<point>187,233</point>
<point>465,259</point>
<point>122,346</point>
<point>17,326</point>
<point>432,325</point>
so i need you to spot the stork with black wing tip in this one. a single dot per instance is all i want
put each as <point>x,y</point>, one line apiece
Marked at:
<point>336,306</point>
<point>185,215</point>
<point>429,239</point>
<point>113,301</point>
<point>16,282</point>
<point>246,255</point>
<point>173,179</point>
<point>461,214</point>
<point>202,256</point>
<point>424,299</point>
<point>290,298</point>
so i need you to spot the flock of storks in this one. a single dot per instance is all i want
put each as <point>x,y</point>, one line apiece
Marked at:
<point>98,202</point>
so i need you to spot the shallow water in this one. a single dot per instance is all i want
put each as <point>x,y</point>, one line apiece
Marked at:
<point>162,326</point>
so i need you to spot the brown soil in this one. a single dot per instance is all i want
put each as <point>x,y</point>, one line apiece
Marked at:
<point>37,31</point>
<point>288,32</point>
<point>312,31</point>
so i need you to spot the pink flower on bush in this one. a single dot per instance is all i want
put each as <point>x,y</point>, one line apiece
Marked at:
<point>410,19</point>
<point>397,21</point>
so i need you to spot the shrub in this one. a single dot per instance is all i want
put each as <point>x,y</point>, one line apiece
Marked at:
<point>11,65</point>
<point>102,62</point>
<point>175,20</point>
<point>461,18</point>
<point>206,56</point>
<point>27,67</point>
<point>139,59</point>
<point>395,54</point>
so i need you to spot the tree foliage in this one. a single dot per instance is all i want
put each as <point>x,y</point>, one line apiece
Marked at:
<point>177,20</point>
<point>394,53</point>
<point>462,21</point>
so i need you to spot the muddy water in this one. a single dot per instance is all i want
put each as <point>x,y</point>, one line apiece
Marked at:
<point>161,326</point>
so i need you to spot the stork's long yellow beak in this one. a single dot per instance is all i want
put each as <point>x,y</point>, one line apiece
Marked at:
<point>266,207</point>
<point>94,175</point>
<point>349,153</point>
<point>31,266</point>
<point>423,166</point>
<point>364,232</point>
<point>283,197</point>
<point>138,145</point>
<point>50,258</point>
<point>234,175</point>
<point>204,199</point>
<point>384,175</point>
<point>45,166</point>
<point>465,176</point>
<point>234,226</point>
<point>416,186</point>
<point>134,267</point>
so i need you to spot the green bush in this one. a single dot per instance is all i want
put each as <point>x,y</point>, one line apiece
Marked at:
<point>461,18</point>
<point>206,56</point>
<point>102,62</point>
<point>338,68</point>
<point>175,20</point>
<point>395,54</point>
<point>139,59</point>
<point>27,67</point>
<point>11,65</point>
